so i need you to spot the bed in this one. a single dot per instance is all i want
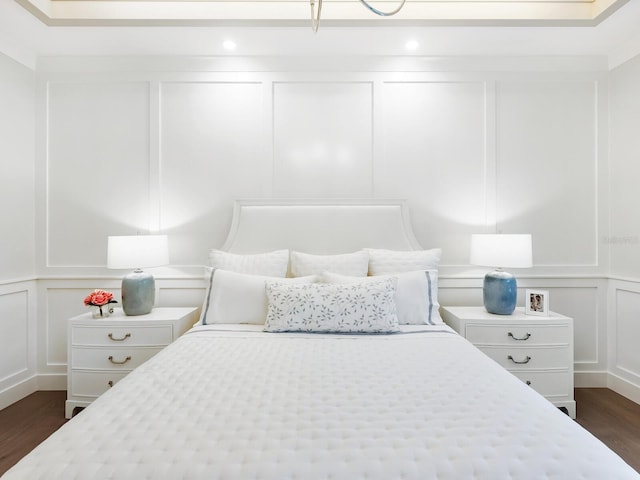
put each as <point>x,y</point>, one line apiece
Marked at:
<point>352,400</point>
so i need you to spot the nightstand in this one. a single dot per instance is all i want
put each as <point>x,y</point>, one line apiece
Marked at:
<point>100,352</point>
<point>538,350</point>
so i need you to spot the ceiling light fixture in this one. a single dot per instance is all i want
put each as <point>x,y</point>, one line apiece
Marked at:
<point>315,12</point>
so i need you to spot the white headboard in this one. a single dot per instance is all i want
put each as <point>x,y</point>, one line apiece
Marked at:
<point>320,227</point>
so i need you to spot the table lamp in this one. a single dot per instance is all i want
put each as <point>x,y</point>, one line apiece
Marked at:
<point>500,289</point>
<point>137,251</point>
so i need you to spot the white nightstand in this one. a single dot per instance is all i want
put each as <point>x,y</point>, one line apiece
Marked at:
<point>538,350</point>
<point>102,351</point>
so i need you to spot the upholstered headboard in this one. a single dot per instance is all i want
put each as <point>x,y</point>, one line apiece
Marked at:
<point>321,227</point>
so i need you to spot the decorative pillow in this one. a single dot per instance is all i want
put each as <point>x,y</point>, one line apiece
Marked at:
<point>359,307</point>
<point>233,297</point>
<point>356,263</point>
<point>416,295</point>
<point>383,262</point>
<point>272,264</point>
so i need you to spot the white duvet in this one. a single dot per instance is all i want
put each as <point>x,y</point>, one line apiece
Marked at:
<point>236,403</point>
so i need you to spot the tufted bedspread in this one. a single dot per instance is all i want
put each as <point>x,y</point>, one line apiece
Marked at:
<point>232,402</point>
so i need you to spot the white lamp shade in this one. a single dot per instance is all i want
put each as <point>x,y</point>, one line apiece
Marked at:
<point>513,251</point>
<point>137,251</point>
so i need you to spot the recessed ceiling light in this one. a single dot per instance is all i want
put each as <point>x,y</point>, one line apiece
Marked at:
<point>412,45</point>
<point>229,45</point>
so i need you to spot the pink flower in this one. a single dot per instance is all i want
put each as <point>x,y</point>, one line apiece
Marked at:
<point>99,298</point>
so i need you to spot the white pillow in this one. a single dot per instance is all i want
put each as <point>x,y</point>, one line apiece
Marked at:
<point>272,264</point>
<point>233,297</point>
<point>416,295</point>
<point>383,262</point>
<point>355,264</point>
<point>359,307</point>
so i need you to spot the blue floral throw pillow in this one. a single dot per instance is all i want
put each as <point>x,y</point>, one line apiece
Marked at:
<point>345,308</point>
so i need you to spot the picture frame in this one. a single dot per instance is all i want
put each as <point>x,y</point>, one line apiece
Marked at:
<point>536,302</point>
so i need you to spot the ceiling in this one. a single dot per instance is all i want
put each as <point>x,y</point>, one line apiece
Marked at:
<point>334,12</point>
<point>32,29</point>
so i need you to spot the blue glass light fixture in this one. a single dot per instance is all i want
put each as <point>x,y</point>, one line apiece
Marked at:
<point>500,289</point>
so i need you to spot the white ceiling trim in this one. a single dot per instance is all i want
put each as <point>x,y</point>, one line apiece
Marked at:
<point>334,12</point>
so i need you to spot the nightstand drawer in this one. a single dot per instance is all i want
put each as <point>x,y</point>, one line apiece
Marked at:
<point>102,351</point>
<point>549,384</point>
<point>529,358</point>
<point>520,335</point>
<point>541,347</point>
<point>121,335</point>
<point>94,384</point>
<point>111,358</point>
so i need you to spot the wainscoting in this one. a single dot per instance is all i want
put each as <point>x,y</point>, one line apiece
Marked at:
<point>624,332</point>
<point>34,355</point>
<point>582,299</point>
<point>18,342</point>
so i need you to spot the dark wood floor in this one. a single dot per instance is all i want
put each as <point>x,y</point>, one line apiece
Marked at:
<point>27,423</point>
<point>612,418</point>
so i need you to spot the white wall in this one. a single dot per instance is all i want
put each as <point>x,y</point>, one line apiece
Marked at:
<point>624,238</point>
<point>17,130</point>
<point>168,144</point>
<point>129,151</point>
<point>17,231</point>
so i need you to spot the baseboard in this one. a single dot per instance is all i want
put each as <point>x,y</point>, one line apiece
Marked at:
<point>55,381</point>
<point>18,391</point>
<point>590,379</point>
<point>624,387</point>
<point>608,380</point>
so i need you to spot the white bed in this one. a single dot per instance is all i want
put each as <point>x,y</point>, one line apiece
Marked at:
<point>232,401</point>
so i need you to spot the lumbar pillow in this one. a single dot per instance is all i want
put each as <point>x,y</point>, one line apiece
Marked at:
<point>356,263</point>
<point>233,297</point>
<point>272,264</point>
<point>360,307</point>
<point>383,262</point>
<point>416,294</point>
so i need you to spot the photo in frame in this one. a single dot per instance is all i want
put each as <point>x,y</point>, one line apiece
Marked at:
<point>536,302</point>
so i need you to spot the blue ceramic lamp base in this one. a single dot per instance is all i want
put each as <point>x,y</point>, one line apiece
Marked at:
<point>500,292</point>
<point>138,293</point>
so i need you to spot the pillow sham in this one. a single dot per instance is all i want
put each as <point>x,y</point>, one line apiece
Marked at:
<point>354,308</point>
<point>272,264</point>
<point>383,262</point>
<point>233,297</point>
<point>356,263</point>
<point>416,295</point>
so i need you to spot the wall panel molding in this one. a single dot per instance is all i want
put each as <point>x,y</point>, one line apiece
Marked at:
<point>18,342</point>
<point>624,330</point>
<point>246,134</point>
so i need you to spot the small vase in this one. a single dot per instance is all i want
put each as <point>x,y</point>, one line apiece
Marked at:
<point>101,311</point>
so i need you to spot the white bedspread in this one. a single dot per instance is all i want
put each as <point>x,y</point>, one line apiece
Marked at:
<point>235,403</point>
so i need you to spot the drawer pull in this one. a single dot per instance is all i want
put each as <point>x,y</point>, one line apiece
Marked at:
<point>526,336</point>
<point>118,362</point>
<point>528,382</point>
<point>126,335</point>
<point>526,360</point>
<point>110,383</point>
